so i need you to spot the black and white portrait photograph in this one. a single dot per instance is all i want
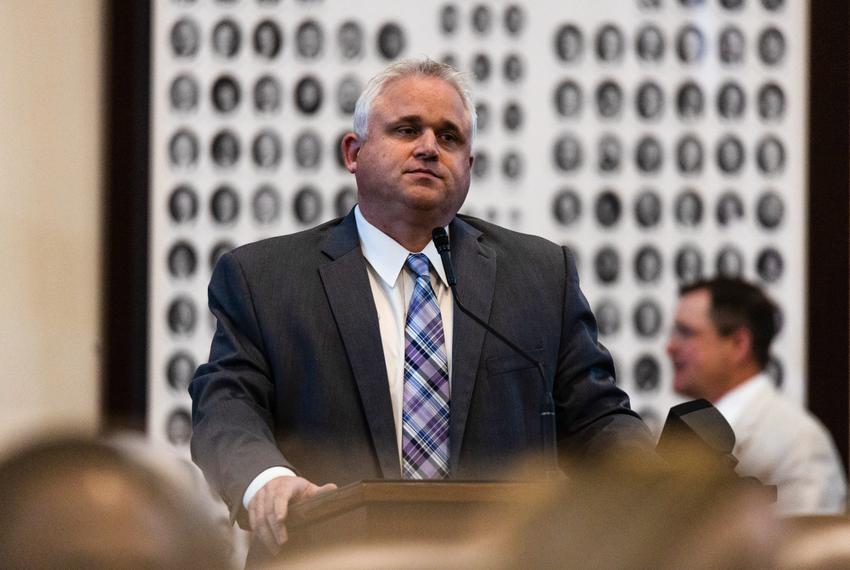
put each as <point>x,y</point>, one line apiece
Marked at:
<point>731,101</point>
<point>770,265</point>
<point>347,91</point>
<point>688,208</point>
<point>182,260</point>
<point>606,264</point>
<point>512,165</point>
<point>268,39</point>
<point>650,44</point>
<point>566,206</point>
<point>648,154</point>
<point>350,40</point>
<point>344,200</point>
<point>183,93</point>
<point>514,19</point>
<point>647,318</point>
<point>771,46</point>
<point>648,264</point>
<point>647,373</point>
<point>224,205</point>
<point>609,152</point>
<point>183,149</point>
<point>219,249</point>
<point>732,4</point>
<point>182,316</point>
<point>185,38</point>
<point>689,264</point>
<point>267,94</point>
<point>689,155</point>
<point>649,101</point>
<point>569,43</point>
<point>773,5</point>
<point>568,99</point>
<point>647,209</point>
<point>309,39</point>
<point>481,166</point>
<point>266,204</point>
<point>731,45</point>
<point>770,155</point>
<point>481,19</point>
<point>179,371</point>
<point>690,44</point>
<point>183,204</point>
<point>608,317</point>
<point>567,152</point>
<point>226,38</point>
<point>178,429</point>
<point>608,208</point>
<point>308,149</point>
<point>449,19</point>
<point>771,102</point>
<point>512,116</point>
<point>481,67</point>
<point>391,41</point>
<point>309,95</point>
<point>730,154</point>
<point>225,149</point>
<point>482,110</point>
<point>770,210</point>
<point>775,371</point>
<point>730,209</point>
<point>730,262</point>
<point>307,205</point>
<point>225,94</point>
<point>513,68</point>
<point>609,99</point>
<point>267,149</point>
<point>690,101</point>
<point>609,43</point>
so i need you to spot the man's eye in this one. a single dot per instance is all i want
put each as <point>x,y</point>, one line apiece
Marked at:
<point>406,131</point>
<point>449,137</point>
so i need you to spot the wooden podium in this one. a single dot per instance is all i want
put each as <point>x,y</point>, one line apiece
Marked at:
<point>374,511</point>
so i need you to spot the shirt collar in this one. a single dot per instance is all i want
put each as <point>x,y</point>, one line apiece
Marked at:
<point>734,402</point>
<point>386,256</point>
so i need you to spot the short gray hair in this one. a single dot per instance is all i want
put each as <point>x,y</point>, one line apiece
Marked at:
<point>412,67</point>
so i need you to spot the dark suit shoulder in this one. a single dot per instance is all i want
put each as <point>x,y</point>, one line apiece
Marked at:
<point>518,245</point>
<point>291,248</point>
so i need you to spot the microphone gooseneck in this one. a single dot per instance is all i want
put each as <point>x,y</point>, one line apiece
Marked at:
<point>549,443</point>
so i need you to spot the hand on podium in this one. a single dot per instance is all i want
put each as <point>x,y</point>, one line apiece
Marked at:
<point>267,510</point>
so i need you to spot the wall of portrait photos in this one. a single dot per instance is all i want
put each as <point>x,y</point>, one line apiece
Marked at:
<point>662,140</point>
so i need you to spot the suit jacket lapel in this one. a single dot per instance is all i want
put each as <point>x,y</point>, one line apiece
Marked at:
<point>475,267</point>
<point>347,286</point>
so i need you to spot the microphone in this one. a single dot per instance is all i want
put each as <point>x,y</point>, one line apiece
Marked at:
<point>549,443</point>
<point>701,425</point>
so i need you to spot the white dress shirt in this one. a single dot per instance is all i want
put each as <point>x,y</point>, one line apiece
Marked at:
<point>782,444</point>
<point>392,287</point>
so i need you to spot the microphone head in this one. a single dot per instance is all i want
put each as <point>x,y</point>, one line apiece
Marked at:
<point>441,239</point>
<point>699,423</point>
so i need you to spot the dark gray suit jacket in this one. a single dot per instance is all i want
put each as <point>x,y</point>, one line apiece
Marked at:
<point>296,374</point>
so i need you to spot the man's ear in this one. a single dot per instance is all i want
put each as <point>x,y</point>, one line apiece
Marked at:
<point>351,145</point>
<point>742,344</point>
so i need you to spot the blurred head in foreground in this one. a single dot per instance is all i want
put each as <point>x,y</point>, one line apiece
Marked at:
<point>78,503</point>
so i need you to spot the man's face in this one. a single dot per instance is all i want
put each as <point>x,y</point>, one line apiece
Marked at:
<point>414,165</point>
<point>701,357</point>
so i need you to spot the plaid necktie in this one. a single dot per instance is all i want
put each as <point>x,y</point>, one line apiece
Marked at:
<point>425,415</point>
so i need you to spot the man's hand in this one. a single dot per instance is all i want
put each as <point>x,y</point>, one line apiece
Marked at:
<point>267,510</point>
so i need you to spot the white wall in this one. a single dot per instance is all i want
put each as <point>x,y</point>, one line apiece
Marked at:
<point>51,65</point>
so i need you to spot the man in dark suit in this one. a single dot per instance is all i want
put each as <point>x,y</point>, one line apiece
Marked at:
<point>317,357</point>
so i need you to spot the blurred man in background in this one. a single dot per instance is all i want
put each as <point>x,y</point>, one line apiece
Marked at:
<point>719,348</point>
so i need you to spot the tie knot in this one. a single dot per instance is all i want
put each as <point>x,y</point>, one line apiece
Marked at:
<point>418,264</point>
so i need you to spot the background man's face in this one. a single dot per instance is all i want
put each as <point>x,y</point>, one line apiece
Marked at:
<point>415,163</point>
<point>701,357</point>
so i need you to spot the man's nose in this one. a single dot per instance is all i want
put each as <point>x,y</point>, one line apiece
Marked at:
<point>426,145</point>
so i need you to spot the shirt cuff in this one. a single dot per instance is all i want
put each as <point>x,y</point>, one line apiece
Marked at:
<point>263,478</point>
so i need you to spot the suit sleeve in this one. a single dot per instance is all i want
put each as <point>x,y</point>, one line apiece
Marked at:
<point>593,414</point>
<point>232,394</point>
